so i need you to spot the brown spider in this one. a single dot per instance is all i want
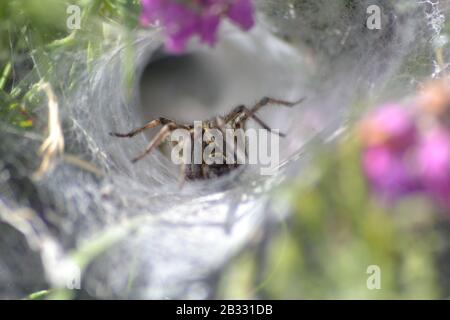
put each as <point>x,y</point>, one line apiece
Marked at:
<point>236,119</point>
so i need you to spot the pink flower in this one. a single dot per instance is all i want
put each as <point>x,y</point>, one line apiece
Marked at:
<point>399,160</point>
<point>392,126</point>
<point>390,174</point>
<point>434,164</point>
<point>388,135</point>
<point>183,19</point>
<point>241,12</point>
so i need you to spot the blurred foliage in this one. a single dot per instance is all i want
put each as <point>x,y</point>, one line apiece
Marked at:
<point>336,231</point>
<point>32,33</point>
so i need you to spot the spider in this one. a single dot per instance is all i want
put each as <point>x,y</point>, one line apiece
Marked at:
<point>236,119</point>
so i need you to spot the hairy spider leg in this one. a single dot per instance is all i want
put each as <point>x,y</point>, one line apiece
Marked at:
<point>157,140</point>
<point>221,124</point>
<point>151,124</point>
<point>170,125</point>
<point>267,100</point>
<point>251,113</point>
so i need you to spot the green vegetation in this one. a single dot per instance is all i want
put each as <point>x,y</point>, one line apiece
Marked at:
<point>32,33</point>
<point>337,229</point>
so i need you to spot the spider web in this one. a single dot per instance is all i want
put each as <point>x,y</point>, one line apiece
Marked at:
<point>130,229</point>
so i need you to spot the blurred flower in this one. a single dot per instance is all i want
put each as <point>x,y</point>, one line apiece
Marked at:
<point>434,99</point>
<point>399,159</point>
<point>434,164</point>
<point>388,135</point>
<point>391,126</point>
<point>390,174</point>
<point>184,19</point>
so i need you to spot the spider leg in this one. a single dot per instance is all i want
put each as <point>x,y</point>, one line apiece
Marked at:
<point>267,100</point>
<point>250,113</point>
<point>262,123</point>
<point>182,180</point>
<point>157,140</point>
<point>221,124</point>
<point>238,152</point>
<point>221,128</point>
<point>149,125</point>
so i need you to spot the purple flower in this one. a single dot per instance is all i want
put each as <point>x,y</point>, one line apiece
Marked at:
<point>390,174</point>
<point>241,12</point>
<point>388,136</point>
<point>183,19</point>
<point>398,159</point>
<point>392,126</point>
<point>433,156</point>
